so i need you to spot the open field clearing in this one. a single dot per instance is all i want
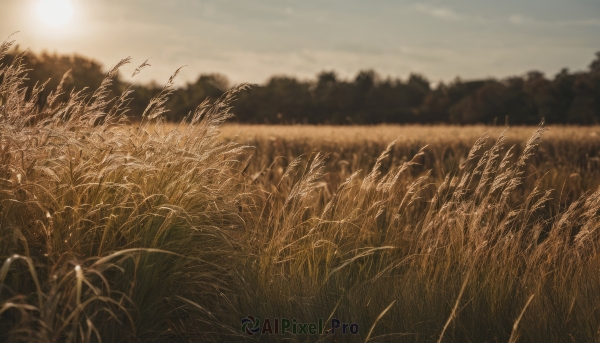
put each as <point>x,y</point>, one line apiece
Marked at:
<point>116,232</point>
<point>566,160</point>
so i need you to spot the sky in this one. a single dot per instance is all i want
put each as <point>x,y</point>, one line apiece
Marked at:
<point>252,40</point>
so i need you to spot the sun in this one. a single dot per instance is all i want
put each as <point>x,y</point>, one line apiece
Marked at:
<point>55,13</point>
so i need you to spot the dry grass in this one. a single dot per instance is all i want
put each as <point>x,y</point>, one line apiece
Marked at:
<point>118,233</point>
<point>566,160</point>
<point>110,231</point>
<point>461,261</point>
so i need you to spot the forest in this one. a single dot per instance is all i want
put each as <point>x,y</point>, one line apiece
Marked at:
<point>370,98</point>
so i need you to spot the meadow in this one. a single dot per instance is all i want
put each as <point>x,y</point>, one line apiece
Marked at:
<point>566,160</point>
<point>120,232</point>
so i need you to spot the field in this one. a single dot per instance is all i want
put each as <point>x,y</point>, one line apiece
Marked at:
<point>118,232</point>
<point>566,160</point>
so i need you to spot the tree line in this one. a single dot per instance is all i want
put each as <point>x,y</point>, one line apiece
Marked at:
<point>368,98</point>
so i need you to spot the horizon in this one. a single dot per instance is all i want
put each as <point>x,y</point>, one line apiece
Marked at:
<point>308,78</point>
<point>254,41</point>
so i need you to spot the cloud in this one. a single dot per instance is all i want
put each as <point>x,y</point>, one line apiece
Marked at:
<point>519,19</point>
<point>589,22</point>
<point>438,12</point>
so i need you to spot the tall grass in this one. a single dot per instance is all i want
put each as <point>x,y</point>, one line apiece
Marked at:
<point>117,232</point>
<point>110,231</point>
<point>460,265</point>
<point>568,158</point>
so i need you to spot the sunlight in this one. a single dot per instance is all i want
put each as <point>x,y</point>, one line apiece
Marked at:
<point>55,13</point>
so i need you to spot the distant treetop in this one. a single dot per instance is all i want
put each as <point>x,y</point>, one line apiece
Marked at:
<point>567,98</point>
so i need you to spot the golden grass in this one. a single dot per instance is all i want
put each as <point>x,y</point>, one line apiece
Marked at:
<point>118,233</point>
<point>567,160</point>
<point>406,134</point>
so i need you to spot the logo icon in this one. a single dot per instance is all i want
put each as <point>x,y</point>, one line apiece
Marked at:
<point>250,325</point>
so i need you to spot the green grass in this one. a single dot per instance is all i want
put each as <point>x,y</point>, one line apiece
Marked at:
<point>117,232</point>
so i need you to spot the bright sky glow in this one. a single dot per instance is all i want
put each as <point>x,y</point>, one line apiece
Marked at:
<point>55,13</point>
<point>251,40</point>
